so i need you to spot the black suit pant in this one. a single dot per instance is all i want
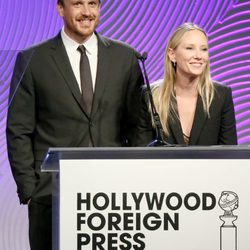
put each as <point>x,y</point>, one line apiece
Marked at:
<point>40,226</point>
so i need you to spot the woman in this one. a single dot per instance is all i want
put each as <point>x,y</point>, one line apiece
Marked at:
<point>193,109</point>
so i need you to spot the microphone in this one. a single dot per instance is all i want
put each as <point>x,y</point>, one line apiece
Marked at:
<point>142,57</point>
<point>159,140</point>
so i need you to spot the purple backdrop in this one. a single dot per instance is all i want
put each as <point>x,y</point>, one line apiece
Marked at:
<point>145,25</point>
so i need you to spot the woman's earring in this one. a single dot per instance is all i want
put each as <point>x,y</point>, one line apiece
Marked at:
<point>174,63</point>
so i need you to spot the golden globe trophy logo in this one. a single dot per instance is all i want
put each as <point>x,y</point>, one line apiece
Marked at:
<point>228,202</point>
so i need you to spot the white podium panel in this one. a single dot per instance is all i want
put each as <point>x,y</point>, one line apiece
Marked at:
<point>154,204</point>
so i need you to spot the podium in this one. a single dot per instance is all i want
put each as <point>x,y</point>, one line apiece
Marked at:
<point>178,198</point>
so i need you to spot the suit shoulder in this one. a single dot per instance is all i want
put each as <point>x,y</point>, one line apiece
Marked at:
<point>121,44</point>
<point>220,87</point>
<point>113,43</point>
<point>222,93</point>
<point>44,45</point>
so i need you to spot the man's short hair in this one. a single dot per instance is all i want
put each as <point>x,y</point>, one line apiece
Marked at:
<point>62,2</point>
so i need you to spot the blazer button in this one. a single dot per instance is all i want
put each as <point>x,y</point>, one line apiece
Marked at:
<point>91,124</point>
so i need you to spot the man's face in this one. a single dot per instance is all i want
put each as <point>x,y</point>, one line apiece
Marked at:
<point>80,18</point>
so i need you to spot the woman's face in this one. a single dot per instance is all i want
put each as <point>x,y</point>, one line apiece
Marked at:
<point>191,55</point>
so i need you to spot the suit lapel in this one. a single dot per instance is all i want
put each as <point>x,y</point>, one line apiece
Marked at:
<point>199,119</point>
<point>61,59</point>
<point>175,127</point>
<point>102,72</point>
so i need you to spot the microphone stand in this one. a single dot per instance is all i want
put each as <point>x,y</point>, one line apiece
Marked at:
<point>159,140</point>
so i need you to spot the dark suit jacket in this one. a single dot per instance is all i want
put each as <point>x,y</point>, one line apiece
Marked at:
<point>46,108</point>
<point>219,128</point>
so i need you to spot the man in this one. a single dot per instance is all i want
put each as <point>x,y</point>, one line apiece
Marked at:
<point>50,105</point>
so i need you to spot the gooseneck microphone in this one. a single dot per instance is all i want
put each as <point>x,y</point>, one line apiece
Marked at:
<point>159,140</point>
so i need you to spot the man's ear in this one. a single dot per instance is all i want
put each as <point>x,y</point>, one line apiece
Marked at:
<point>60,9</point>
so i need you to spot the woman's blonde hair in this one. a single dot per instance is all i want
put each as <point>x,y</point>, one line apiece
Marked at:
<point>163,92</point>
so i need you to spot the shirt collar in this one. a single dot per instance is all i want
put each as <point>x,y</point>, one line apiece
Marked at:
<point>90,45</point>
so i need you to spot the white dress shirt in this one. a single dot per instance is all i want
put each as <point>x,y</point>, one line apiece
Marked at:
<point>74,55</point>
